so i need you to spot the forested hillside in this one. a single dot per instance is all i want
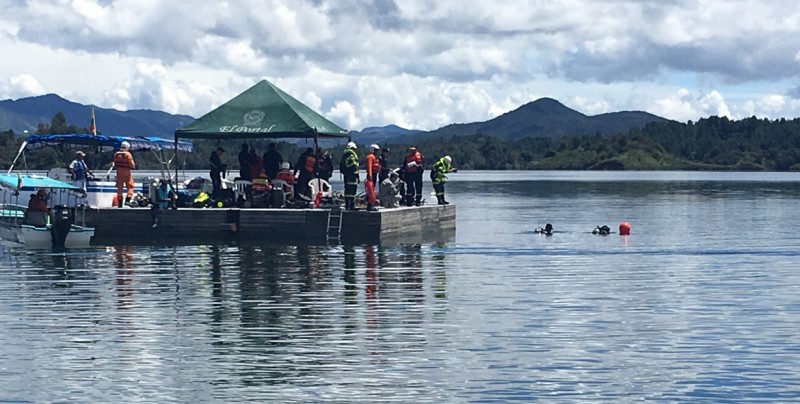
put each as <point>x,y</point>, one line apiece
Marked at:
<point>712,143</point>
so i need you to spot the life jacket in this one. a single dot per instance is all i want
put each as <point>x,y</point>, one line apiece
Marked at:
<point>349,163</point>
<point>440,170</point>
<point>285,175</point>
<point>123,159</point>
<point>413,162</point>
<point>201,197</point>
<point>373,166</point>
<point>311,161</point>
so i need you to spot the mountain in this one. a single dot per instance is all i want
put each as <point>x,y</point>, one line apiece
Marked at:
<point>381,135</point>
<point>547,117</point>
<point>27,113</point>
<point>544,117</point>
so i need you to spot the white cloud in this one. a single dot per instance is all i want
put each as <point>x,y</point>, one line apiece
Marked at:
<point>416,63</point>
<point>22,85</point>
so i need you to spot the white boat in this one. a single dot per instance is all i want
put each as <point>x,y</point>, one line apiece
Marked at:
<point>102,190</point>
<point>63,226</point>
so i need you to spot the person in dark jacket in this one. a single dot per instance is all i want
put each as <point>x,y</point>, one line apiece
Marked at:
<point>325,165</point>
<point>413,166</point>
<point>305,170</point>
<point>383,161</point>
<point>217,170</point>
<point>244,162</point>
<point>272,161</point>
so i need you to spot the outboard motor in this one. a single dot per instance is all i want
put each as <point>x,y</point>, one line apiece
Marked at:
<point>63,218</point>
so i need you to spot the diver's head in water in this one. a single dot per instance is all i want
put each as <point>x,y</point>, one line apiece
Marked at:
<point>547,229</point>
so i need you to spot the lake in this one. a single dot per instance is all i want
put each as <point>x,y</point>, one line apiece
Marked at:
<point>700,303</point>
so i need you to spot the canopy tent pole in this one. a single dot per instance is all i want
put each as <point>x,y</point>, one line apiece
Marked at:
<point>176,165</point>
<point>19,153</point>
<point>316,164</point>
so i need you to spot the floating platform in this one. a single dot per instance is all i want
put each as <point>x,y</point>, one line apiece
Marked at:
<point>133,226</point>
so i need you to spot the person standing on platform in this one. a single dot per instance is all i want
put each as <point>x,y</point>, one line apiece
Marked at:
<point>325,171</point>
<point>79,171</point>
<point>123,163</point>
<point>256,165</point>
<point>244,162</point>
<point>373,168</point>
<point>305,170</point>
<point>383,160</point>
<point>413,167</point>
<point>272,161</point>
<point>439,175</point>
<point>217,170</point>
<point>348,167</point>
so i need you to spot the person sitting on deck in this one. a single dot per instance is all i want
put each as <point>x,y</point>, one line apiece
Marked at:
<point>285,175</point>
<point>389,193</point>
<point>37,211</point>
<point>164,198</point>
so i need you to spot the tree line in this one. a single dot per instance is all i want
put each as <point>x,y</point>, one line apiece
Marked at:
<point>713,143</point>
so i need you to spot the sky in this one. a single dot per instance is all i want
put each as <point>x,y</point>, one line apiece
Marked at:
<point>418,64</point>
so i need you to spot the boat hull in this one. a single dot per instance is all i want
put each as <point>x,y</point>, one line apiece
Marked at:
<point>40,236</point>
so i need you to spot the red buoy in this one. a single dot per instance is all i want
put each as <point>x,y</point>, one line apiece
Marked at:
<point>624,229</point>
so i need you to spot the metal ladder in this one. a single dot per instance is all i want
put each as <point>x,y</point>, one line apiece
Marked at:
<point>334,232</point>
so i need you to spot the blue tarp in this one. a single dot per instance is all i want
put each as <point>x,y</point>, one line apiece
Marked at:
<point>31,181</point>
<point>107,143</point>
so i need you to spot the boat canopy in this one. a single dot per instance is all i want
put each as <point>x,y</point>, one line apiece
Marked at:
<point>106,143</point>
<point>164,150</point>
<point>19,181</point>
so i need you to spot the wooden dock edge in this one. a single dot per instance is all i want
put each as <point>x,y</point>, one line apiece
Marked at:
<point>186,226</point>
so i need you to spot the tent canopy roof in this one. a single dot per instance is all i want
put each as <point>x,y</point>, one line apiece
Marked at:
<point>262,111</point>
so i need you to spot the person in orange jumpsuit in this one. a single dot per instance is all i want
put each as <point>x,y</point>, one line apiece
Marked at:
<point>373,167</point>
<point>123,163</point>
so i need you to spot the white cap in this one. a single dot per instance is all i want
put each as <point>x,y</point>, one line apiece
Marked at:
<point>448,159</point>
<point>375,147</point>
<point>285,165</point>
<point>351,145</point>
<point>125,145</point>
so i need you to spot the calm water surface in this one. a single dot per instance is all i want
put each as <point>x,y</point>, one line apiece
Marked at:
<point>700,303</point>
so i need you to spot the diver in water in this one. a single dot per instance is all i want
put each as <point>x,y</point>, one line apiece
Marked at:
<point>547,230</point>
<point>602,230</point>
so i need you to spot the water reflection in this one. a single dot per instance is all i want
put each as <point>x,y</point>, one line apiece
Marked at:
<point>123,262</point>
<point>281,315</point>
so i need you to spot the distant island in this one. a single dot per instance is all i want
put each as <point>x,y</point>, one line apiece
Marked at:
<point>541,135</point>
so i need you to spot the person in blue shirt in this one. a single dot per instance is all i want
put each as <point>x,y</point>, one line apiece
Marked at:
<point>163,199</point>
<point>79,171</point>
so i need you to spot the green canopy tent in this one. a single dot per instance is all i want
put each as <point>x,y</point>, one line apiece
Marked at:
<point>262,111</point>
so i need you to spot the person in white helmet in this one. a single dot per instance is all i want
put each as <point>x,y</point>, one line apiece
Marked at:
<point>348,167</point>
<point>123,163</point>
<point>373,168</point>
<point>439,175</point>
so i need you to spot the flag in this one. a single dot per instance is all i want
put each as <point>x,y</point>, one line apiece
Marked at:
<point>92,127</point>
